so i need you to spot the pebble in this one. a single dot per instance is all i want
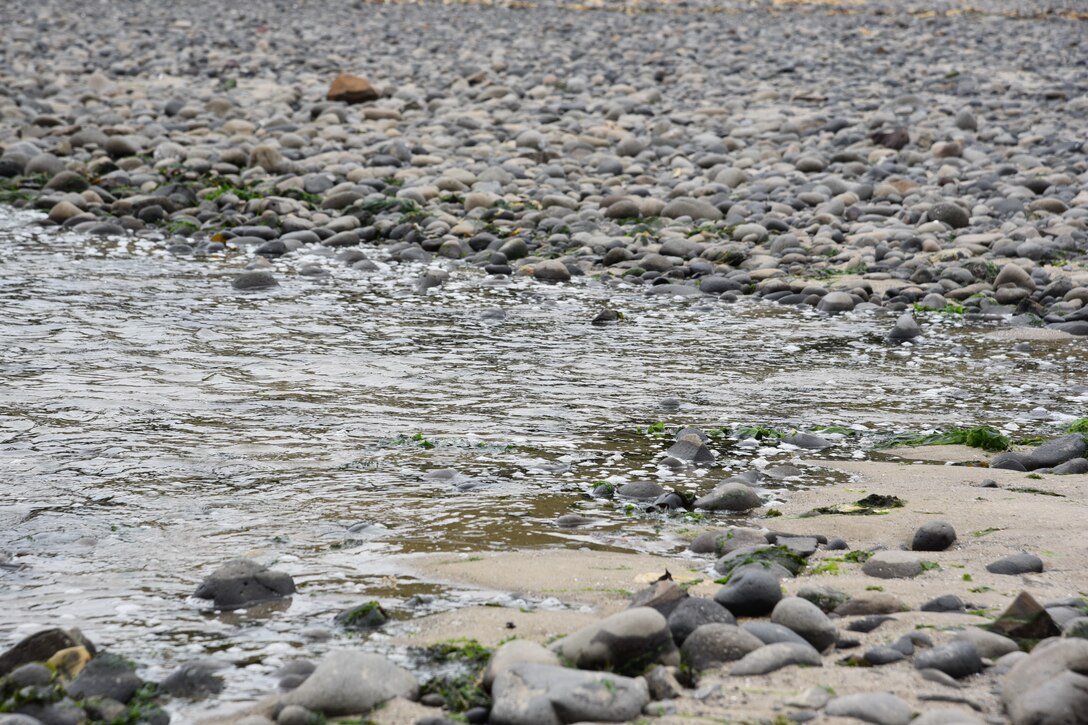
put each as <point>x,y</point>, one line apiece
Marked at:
<point>958,659</point>
<point>880,708</point>
<point>1021,563</point>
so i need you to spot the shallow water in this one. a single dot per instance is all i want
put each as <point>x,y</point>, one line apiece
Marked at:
<point>155,423</point>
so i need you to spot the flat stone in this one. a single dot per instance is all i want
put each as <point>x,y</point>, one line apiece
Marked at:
<point>535,694</point>
<point>988,644</point>
<point>729,496</point>
<point>892,565</point>
<point>517,652</point>
<point>773,657</point>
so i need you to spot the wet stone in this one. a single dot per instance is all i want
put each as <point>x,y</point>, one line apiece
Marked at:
<point>694,612</point>
<point>242,582</point>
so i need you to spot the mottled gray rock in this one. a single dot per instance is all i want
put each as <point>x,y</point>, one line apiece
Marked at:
<point>1016,275</point>
<point>1062,700</point>
<point>626,642</point>
<point>194,680</point>
<point>535,694</point>
<point>1021,563</point>
<point>945,716</point>
<point>933,536</point>
<point>348,682</point>
<point>807,620</point>
<point>953,215</point>
<point>712,645</point>
<point>958,659</point>
<point>773,657</point>
<point>242,582</point>
<point>880,708</point>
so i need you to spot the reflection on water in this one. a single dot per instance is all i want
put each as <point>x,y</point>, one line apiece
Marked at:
<point>154,423</point>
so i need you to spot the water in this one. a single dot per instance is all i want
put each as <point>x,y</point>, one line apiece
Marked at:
<point>155,423</point>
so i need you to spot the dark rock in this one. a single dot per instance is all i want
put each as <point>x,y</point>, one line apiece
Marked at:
<point>771,633</point>
<point>1022,563</point>
<point>933,536</point>
<point>953,215</point>
<point>242,582</point>
<point>945,603</point>
<point>868,624</point>
<point>956,659</point>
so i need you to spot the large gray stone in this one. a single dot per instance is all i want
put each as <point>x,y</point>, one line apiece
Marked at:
<point>242,582</point>
<point>347,682</point>
<point>535,694</point>
<point>1060,701</point>
<point>1045,663</point>
<point>905,329</point>
<point>627,642</point>
<point>106,675</point>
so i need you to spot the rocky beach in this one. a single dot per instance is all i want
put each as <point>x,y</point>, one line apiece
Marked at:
<point>536,362</point>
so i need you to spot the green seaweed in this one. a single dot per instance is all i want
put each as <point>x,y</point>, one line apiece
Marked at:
<point>982,437</point>
<point>871,505</point>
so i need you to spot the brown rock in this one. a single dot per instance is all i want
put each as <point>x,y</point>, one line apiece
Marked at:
<point>352,89</point>
<point>1025,619</point>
